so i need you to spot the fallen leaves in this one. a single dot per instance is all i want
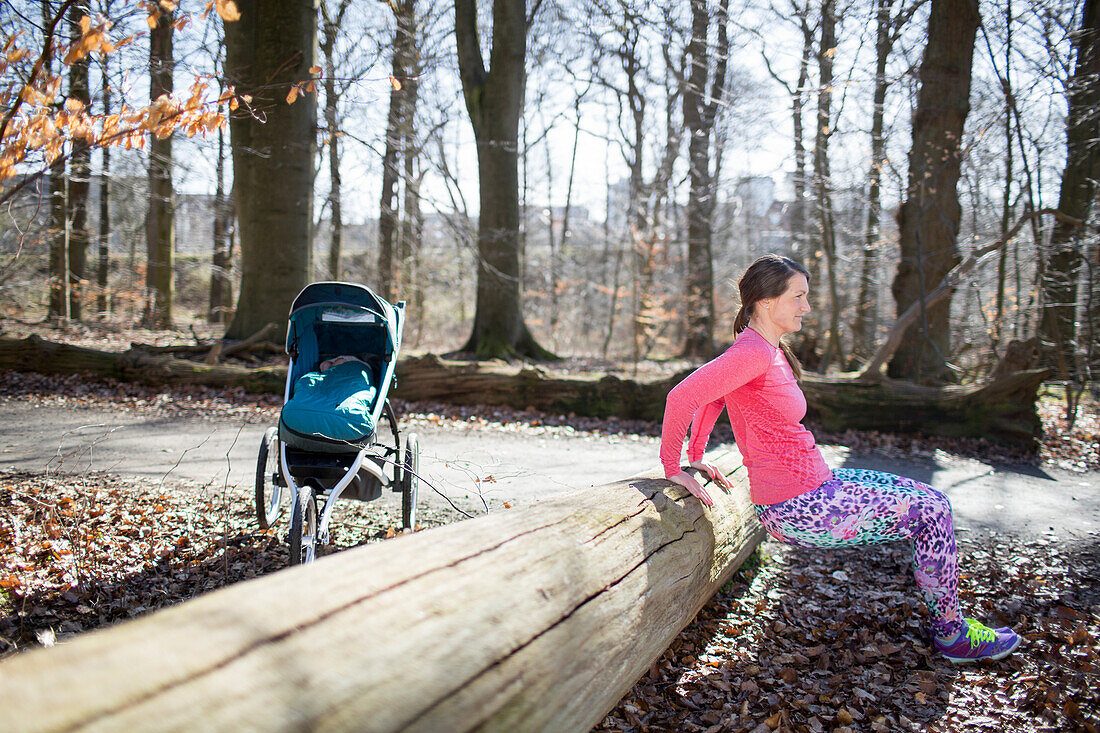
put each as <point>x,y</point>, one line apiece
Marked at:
<point>788,646</point>
<point>82,552</point>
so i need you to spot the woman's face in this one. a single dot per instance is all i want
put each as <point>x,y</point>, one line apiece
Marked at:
<point>784,314</point>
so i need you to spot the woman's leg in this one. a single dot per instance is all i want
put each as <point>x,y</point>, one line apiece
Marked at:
<point>860,507</point>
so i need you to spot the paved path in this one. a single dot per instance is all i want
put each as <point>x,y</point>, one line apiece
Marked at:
<point>500,465</point>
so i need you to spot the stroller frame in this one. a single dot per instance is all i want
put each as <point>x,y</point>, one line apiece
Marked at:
<point>307,468</point>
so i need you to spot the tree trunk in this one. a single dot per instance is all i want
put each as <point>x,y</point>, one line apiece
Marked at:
<point>535,619</point>
<point>160,227</point>
<point>798,101</point>
<point>57,232</point>
<point>267,51</point>
<point>929,217</point>
<point>331,27</point>
<point>103,269</point>
<point>80,176</point>
<point>221,271</point>
<point>494,100</point>
<point>863,326</point>
<point>411,218</point>
<point>701,96</point>
<point>391,170</point>
<point>1065,258</point>
<point>822,184</point>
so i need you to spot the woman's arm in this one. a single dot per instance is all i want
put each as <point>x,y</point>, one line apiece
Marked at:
<point>701,426</point>
<point>708,384</point>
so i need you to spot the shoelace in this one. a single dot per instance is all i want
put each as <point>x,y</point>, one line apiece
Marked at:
<point>977,632</point>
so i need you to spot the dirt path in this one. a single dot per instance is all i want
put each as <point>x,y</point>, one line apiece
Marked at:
<point>490,465</point>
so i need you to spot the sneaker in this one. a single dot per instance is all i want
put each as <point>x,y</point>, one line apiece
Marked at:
<point>978,641</point>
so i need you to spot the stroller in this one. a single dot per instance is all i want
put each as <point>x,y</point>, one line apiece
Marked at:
<point>343,342</point>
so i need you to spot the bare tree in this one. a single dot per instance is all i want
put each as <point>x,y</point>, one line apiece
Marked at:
<point>1064,260</point>
<point>160,228</point>
<point>331,23</point>
<point>494,100</point>
<point>799,14</point>
<point>888,28</point>
<point>704,92</point>
<point>402,110</point>
<point>270,54</point>
<point>929,217</point>
<point>80,175</point>
<point>826,227</point>
<point>103,302</point>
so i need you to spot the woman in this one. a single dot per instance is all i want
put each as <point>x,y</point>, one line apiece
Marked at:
<point>797,498</point>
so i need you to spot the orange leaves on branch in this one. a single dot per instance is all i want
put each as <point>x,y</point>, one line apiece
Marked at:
<point>227,10</point>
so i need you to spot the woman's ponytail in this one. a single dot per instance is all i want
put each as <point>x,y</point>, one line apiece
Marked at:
<point>741,322</point>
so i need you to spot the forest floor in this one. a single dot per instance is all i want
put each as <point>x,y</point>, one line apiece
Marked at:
<point>797,641</point>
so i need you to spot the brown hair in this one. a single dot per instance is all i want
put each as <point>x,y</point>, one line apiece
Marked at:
<point>767,278</point>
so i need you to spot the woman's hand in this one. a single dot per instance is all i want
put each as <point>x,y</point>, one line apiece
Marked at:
<point>713,472</point>
<point>688,482</point>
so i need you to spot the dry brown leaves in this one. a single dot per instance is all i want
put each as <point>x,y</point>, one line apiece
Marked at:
<point>81,552</point>
<point>815,640</point>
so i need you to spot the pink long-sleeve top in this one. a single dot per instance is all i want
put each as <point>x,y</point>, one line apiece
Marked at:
<point>755,384</point>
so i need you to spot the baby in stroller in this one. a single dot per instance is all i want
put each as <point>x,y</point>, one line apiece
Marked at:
<point>343,341</point>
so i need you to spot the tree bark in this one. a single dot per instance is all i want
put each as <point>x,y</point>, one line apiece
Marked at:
<point>103,301</point>
<point>822,185</point>
<point>411,217</point>
<point>704,91</point>
<point>330,27</point>
<point>221,271</point>
<point>57,232</point>
<point>268,50</point>
<point>403,41</point>
<point>929,217</point>
<point>534,619</point>
<point>863,325</point>
<point>1065,259</point>
<point>494,100</point>
<point>160,226</point>
<point>80,176</point>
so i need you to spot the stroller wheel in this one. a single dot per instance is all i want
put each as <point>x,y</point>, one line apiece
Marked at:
<point>303,528</point>
<point>410,481</point>
<point>269,482</point>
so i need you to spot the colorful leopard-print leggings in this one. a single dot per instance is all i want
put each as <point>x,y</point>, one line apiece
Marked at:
<point>860,507</point>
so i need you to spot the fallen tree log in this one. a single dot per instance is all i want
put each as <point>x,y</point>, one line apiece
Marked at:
<point>35,354</point>
<point>1001,409</point>
<point>538,618</point>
